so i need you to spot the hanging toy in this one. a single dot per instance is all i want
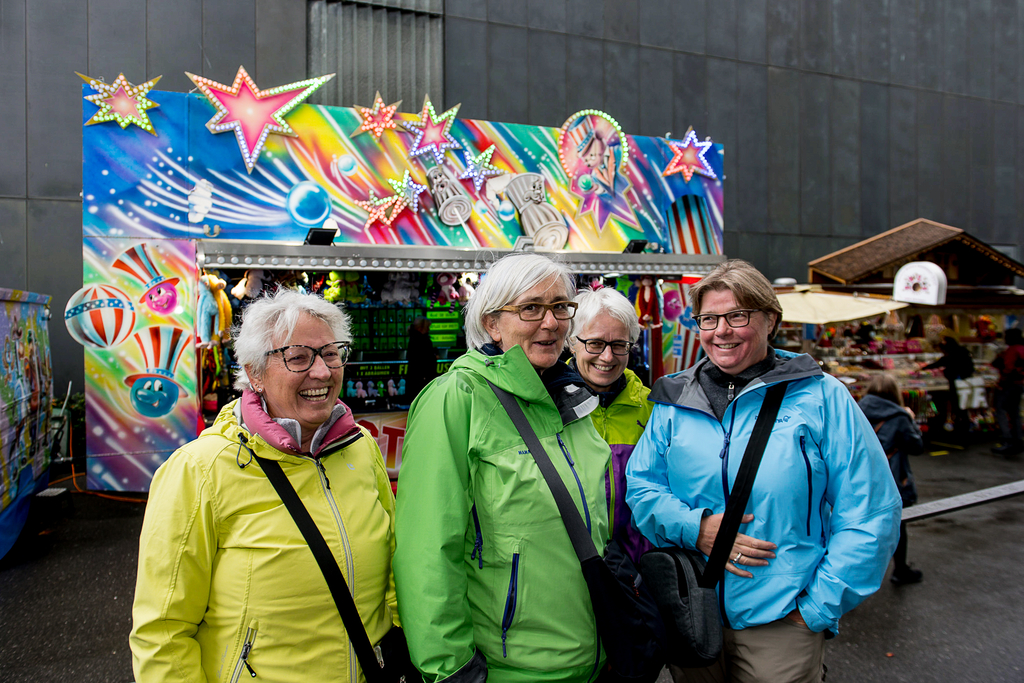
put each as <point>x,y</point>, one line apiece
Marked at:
<point>335,286</point>
<point>249,286</point>
<point>647,308</point>
<point>446,292</point>
<point>207,315</point>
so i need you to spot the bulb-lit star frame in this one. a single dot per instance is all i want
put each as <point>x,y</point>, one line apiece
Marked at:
<point>479,168</point>
<point>112,98</point>
<point>408,190</point>
<point>436,128</point>
<point>688,157</point>
<point>377,119</point>
<point>223,98</point>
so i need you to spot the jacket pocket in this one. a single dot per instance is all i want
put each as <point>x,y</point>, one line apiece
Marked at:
<point>511,598</point>
<point>243,658</point>
<point>810,479</point>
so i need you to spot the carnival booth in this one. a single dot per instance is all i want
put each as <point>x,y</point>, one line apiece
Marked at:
<point>196,203</point>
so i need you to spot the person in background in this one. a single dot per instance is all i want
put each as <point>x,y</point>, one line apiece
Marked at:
<point>956,363</point>
<point>823,516</point>
<point>606,329</point>
<point>421,357</point>
<point>898,433</point>
<point>227,588</point>
<point>489,585</point>
<point>1010,364</point>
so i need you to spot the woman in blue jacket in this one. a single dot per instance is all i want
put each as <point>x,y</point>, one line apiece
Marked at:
<point>823,516</point>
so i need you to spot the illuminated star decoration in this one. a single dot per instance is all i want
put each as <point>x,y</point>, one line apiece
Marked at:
<point>688,157</point>
<point>378,119</point>
<point>253,113</point>
<point>378,208</point>
<point>408,190</point>
<point>433,132</point>
<point>122,102</point>
<point>479,167</point>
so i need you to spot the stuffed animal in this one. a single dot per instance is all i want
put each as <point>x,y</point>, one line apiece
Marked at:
<point>467,286</point>
<point>218,287</point>
<point>392,389</point>
<point>353,291</point>
<point>207,315</point>
<point>647,307</point>
<point>249,286</point>
<point>446,292</point>
<point>350,389</point>
<point>401,387</point>
<point>371,389</point>
<point>335,287</point>
<point>360,391</point>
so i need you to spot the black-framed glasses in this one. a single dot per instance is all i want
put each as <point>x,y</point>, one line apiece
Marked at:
<point>738,318</point>
<point>532,312</point>
<point>299,358</point>
<point>597,346</point>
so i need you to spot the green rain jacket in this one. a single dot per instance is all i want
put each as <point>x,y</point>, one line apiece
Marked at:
<point>489,587</point>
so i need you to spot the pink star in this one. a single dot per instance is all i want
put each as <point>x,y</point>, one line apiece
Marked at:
<point>122,102</point>
<point>688,157</point>
<point>378,208</point>
<point>433,132</point>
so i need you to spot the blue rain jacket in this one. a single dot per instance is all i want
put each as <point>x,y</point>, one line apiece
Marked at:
<point>823,492</point>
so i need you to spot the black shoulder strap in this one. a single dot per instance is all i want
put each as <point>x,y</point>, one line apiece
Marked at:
<point>741,488</point>
<point>582,543</point>
<point>368,659</point>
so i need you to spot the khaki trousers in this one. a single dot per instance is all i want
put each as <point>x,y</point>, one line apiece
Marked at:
<point>780,652</point>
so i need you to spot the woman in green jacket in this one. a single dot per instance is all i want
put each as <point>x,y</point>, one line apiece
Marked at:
<point>489,585</point>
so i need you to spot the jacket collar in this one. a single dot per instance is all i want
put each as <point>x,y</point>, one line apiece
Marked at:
<point>285,434</point>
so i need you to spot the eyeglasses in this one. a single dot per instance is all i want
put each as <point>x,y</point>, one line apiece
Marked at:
<point>597,346</point>
<point>299,358</point>
<point>531,313</point>
<point>737,318</point>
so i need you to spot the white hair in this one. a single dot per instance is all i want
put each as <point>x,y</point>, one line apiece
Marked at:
<point>508,278</point>
<point>271,320</point>
<point>610,301</point>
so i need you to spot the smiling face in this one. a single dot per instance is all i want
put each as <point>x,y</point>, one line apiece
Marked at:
<point>542,340</point>
<point>601,370</point>
<point>307,397</point>
<point>734,349</point>
<point>154,396</point>
<point>593,155</point>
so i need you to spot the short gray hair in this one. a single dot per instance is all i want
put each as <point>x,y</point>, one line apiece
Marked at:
<point>748,285</point>
<point>507,278</point>
<point>274,317</point>
<point>606,300</point>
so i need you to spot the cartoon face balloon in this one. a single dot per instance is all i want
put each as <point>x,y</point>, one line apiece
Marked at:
<point>154,397</point>
<point>162,299</point>
<point>673,305</point>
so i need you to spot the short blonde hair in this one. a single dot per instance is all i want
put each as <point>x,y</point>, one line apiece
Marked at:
<point>747,284</point>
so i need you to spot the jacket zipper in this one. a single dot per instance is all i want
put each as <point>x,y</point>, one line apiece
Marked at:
<point>724,455</point>
<point>243,658</point>
<point>510,602</point>
<point>807,464</point>
<point>572,466</point>
<point>478,544</point>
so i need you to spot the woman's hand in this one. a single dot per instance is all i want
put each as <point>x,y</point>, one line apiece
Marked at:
<point>746,550</point>
<point>910,412</point>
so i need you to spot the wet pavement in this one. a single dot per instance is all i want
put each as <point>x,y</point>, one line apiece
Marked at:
<point>66,590</point>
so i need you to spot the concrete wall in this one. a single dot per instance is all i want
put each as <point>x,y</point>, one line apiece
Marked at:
<point>840,119</point>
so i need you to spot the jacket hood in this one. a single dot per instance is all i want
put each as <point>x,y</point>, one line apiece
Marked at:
<point>633,392</point>
<point>683,389</point>
<point>877,408</point>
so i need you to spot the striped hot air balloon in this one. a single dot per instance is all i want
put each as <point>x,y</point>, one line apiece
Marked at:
<point>99,316</point>
<point>161,295</point>
<point>162,347</point>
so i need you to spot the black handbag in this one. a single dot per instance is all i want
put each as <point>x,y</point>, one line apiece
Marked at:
<point>683,584</point>
<point>388,661</point>
<point>626,614</point>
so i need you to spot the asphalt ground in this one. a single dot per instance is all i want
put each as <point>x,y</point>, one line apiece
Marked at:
<point>66,589</point>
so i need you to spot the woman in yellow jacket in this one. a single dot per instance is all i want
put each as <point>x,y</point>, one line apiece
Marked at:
<point>227,588</point>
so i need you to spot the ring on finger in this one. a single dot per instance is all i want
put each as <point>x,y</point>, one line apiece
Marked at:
<point>738,557</point>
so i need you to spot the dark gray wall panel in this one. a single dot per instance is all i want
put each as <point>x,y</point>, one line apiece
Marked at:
<point>954,46</point>
<point>845,37</point>
<point>621,20</point>
<point>584,18</point>
<point>690,94</point>
<point>902,156</point>
<point>466,9</point>
<point>749,177</point>
<point>979,48</point>
<point>752,30</point>
<point>655,92</point>
<point>783,151</point>
<point>50,223</point>
<point>174,35</point>
<point>622,83</point>
<point>982,171</point>
<point>229,39</point>
<point>1005,50</point>
<point>13,104</point>
<point>584,73</point>
<point>815,166</point>
<point>504,12</point>
<point>547,78</point>
<point>664,23</point>
<point>845,143</point>
<point>55,49</point>
<point>14,245</point>
<point>874,159</point>
<point>465,68</point>
<point>815,36</point>
<point>1005,227</point>
<point>547,15</point>
<point>753,248</point>
<point>722,104</point>
<point>1020,172</point>
<point>280,44</point>
<point>783,19</point>
<point>785,258</point>
<point>903,42</point>
<point>930,201</point>
<point>930,44</point>
<point>873,39</point>
<point>956,156</point>
<point>117,40</point>
<point>508,75</point>
<point>721,28</point>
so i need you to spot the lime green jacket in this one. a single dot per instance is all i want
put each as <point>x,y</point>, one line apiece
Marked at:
<point>489,586</point>
<point>226,584</point>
